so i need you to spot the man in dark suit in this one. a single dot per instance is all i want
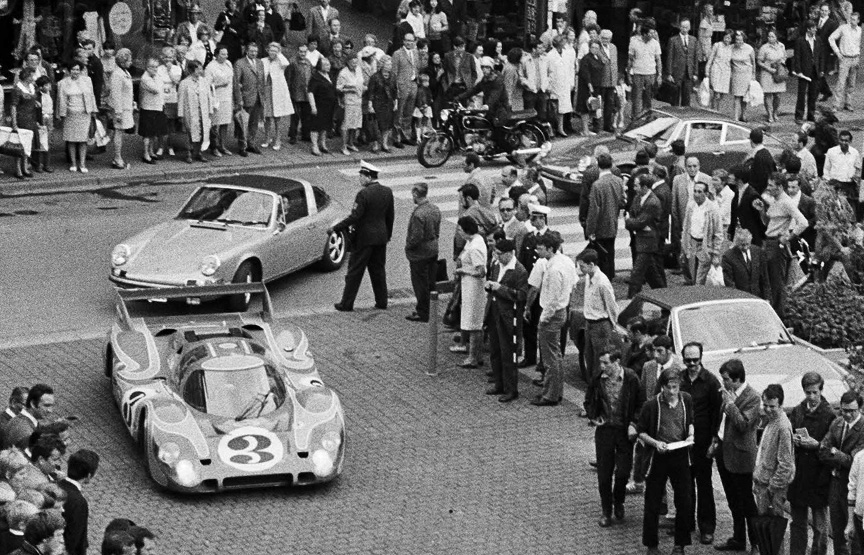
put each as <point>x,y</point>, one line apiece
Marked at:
<point>736,451</point>
<point>17,401</point>
<point>808,61</point>
<point>606,200</point>
<point>249,84</point>
<point>825,26</point>
<point>744,215</point>
<point>421,249</point>
<point>38,407</point>
<point>763,162</point>
<point>320,17</point>
<point>372,218</point>
<point>40,535</point>
<point>744,266</point>
<point>505,302</point>
<point>609,79</point>
<point>682,66</point>
<point>274,20</point>
<point>589,176</point>
<point>81,468</point>
<point>845,437</point>
<point>807,206</point>
<point>663,192</point>
<point>459,69</point>
<point>644,221</point>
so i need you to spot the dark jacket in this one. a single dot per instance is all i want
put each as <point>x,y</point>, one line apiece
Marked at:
<point>681,62</point>
<point>589,176</point>
<point>508,301</point>
<point>277,25</point>
<point>372,216</point>
<point>807,207</point>
<point>297,75</point>
<point>494,96</point>
<point>649,418</point>
<point>26,549</point>
<point>705,393</point>
<point>606,200</point>
<point>744,215</point>
<point>852,442</point>
<point>424,228</point>
<point>761,169</point>
<point>739,434</point>
<point>644,221</point>
<point>752,278</point>
<point>810,63</point>
<point>632,398</point>
<point>464,69</point>
<point>812,476</point>
<point>76,512</point>
<point>664,195</point>
<point>10,542</point>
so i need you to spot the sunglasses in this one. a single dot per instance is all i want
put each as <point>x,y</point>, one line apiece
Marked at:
<point>691,361</point>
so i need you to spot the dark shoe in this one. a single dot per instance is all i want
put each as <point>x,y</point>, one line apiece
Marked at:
<point>28,173</point>
<point>731,545</point>
<point>188,159</point>
<point>490,379</point>
<point>380,307</point>
<point>416,318</point>
<point>342,308</point>
<point>397,144</point>
<point>202,158</point>
<point>706,539</point>
<point>507,397</point>
<point>678,550</point>
<point>243,153</point>
<point>411,142</point>
<point>47,169</point>
<point>604,522</point>
<point>494,391</point>
<point>525,363</point>
<point>490,373</point>
<point>37,168</point>
<point>619,512</point>
<point>799,121</point>
<point>292,140</point>
<point>324,149</point>
<point>148,160</point>
<point>253,149</point>
<point>542,402</point>
<point>538,382</point>
<point>592,464</point>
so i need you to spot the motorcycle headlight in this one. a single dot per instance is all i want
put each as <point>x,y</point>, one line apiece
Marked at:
<point>445,113</point>
<point>120,255</point>
<point>187,476</point>
<point>583,164</point>
<point>169,453</point>
<point>209,264</point>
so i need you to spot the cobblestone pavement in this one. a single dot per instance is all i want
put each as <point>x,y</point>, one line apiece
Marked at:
<point>433,465</point>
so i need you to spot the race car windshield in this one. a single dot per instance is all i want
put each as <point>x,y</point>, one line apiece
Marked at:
<point>732,326</point>
<point>228,206</point>
<point>238,394</point>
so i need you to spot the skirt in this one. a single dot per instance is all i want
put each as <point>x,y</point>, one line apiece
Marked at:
<point>152,123</point>
<point>323,120</point>
<point>127,121</point>
<point>353,118</point>
<point>76,127</point>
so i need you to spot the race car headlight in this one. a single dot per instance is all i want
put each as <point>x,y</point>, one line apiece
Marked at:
<point>323,463</point>
<point>120,255</point>
<point>331,441</point>
<point>209,264</point>
<point>583,164</point>
<point>169,453</point>
<point>186,474</point>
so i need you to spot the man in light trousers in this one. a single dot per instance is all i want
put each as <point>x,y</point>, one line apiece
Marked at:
<point>846,44</point>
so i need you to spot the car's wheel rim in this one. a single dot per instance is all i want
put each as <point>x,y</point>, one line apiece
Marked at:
<point>336,247</point>
<point>247,298</point>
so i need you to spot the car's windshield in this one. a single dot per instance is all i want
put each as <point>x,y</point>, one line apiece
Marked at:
<point>247,391</point>
<point>652,126</point>
<point>228,206</point>
<point>732,326</point>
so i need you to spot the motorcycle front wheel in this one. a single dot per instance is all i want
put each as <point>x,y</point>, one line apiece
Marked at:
<point>435,149</point>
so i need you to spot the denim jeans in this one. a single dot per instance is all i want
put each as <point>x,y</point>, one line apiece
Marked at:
<point>549,338</point>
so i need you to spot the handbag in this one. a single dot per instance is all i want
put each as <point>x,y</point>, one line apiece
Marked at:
<point>453,313</point>
<point>13,146</point>
<point>781,74</point>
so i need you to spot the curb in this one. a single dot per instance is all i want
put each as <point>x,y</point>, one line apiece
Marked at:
<point>82,185</point>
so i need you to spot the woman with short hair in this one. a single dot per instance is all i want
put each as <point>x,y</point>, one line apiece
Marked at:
<point>152,122</point>
<point>471,270</point>
<point>382,96</point>
<point>76,106</point>
<point>277,97</point>
<point>221,75</point>
<point>743,62</point>
<point>122,102</point>
<point>772,55</point>
<point>718,69</point>
<point>322,105</point>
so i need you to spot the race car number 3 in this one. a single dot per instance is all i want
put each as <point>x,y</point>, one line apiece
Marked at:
<point>251,449</point>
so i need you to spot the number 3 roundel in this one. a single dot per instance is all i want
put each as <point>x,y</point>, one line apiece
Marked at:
<point>251,449</point>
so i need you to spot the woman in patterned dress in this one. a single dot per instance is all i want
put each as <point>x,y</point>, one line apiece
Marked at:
<point>743,62</point>
<point>771,55</point>
<point>719,69</point>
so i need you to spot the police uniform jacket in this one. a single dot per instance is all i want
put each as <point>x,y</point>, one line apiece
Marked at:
<point>372,216</point>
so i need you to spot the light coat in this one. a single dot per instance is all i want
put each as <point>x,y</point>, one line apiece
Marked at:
<point>196,104</point>
<point>713,233</point>
<point>276,87</point>
<point>606,199</point>
<point>561,79</point>
<point>151,96</point>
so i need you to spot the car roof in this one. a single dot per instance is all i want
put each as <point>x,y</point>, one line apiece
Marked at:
<point>690,112</point>
<point>672,297</point>
<point>268,183</point>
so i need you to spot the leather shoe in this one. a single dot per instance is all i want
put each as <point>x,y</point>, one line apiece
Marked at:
<point>605,522</point>
<point>253,149</point>
<point>619,512</point>
<point>542,402</point>
<point>489,374</point>
<point>494,391</point>
<point>731,545</point>
<point>416,318</point>
<point>381,307</point>
<point>706,539</point>
<point>538,382</point>
<point>506,398</point>
<point>342,308</point>
<point>525,363</point>
<point>242,153</point>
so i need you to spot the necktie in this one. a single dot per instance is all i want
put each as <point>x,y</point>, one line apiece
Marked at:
<point>747,258</point>
<point>685,43</point>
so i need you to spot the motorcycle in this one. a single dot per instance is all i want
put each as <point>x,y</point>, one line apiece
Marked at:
<point>470,130</point>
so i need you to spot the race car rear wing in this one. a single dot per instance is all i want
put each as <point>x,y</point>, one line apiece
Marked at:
<point>195,292</point>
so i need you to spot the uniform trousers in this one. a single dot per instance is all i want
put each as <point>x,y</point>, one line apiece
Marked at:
<point>614,452</point>
<point>373,258</point>
<point>675,467</point>
<point>502,349</point>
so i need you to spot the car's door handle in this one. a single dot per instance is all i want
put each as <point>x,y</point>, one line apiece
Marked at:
<point>718,153</point>
<point>310,226</point>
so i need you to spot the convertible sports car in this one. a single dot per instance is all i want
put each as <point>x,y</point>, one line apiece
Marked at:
<point>718,142</point>
<point>733,324</point>
<point>235,229</point>
<point>222,401</point>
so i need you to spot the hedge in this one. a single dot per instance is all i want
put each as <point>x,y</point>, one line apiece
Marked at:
<point>827,314</point>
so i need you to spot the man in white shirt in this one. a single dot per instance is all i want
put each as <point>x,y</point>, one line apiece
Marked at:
<point>846,44</point>
<point>645,65</point>
<point>559,278</point>
<point>702,235</point>
<point>415,19</point>
<point>843,164</point>
<point>534,77</point>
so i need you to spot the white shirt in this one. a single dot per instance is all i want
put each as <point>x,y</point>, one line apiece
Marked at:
<point>724,205</point>
<point>10,413</point>
<point>697,220</point>
<point>842,167</point>
<point>313,56</point>
<point>808,163</point>
<point>75,483</point>
<point>417,24</point>
<point>847,39</point>
<point>558,282</point>
<point>26,414</point>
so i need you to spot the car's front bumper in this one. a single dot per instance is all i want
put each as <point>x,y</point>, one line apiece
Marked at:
<point>123,280</point>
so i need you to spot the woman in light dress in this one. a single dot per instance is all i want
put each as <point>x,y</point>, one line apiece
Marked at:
<point>76,106</point>
<point>471,269</point>
<point>703,35</point>
<point>350,84</point>
<point>743,72</point>
<point>771,55</point>
<point>221,74</point>
<point>277,98</point>
<point>719,69</point>
<point>122,102</point>
<point>562,79</point>
<point>512,82</point>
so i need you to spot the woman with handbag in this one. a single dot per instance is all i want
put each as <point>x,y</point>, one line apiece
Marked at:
<point>26,113</point>
<point>743,62</point>
<point>322,98</point>
<point>471,270</point>
<point>382,99</point>
<point>76,107</point>
<point>590,76</point>
<point>772,73</point>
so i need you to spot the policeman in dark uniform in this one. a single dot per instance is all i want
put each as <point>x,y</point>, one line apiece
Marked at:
<point>372,219</point>
<point>527,257</point>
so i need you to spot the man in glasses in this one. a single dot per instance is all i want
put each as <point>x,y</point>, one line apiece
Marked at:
<point>511,226</point>
<point>704,388</point>
<point>845,437</point>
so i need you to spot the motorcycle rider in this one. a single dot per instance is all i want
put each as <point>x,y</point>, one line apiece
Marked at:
<point>495,100</point>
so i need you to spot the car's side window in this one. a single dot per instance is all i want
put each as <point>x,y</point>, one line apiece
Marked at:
<point>736,134</point>
<point>294,203</point>
<point>703,133</point>
<point>321,198</point>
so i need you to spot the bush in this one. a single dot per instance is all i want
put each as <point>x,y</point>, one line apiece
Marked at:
<point>828,315</point>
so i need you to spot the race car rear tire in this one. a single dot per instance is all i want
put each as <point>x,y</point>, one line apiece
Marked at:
<point>109,360</point>
<point>246,273</point>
